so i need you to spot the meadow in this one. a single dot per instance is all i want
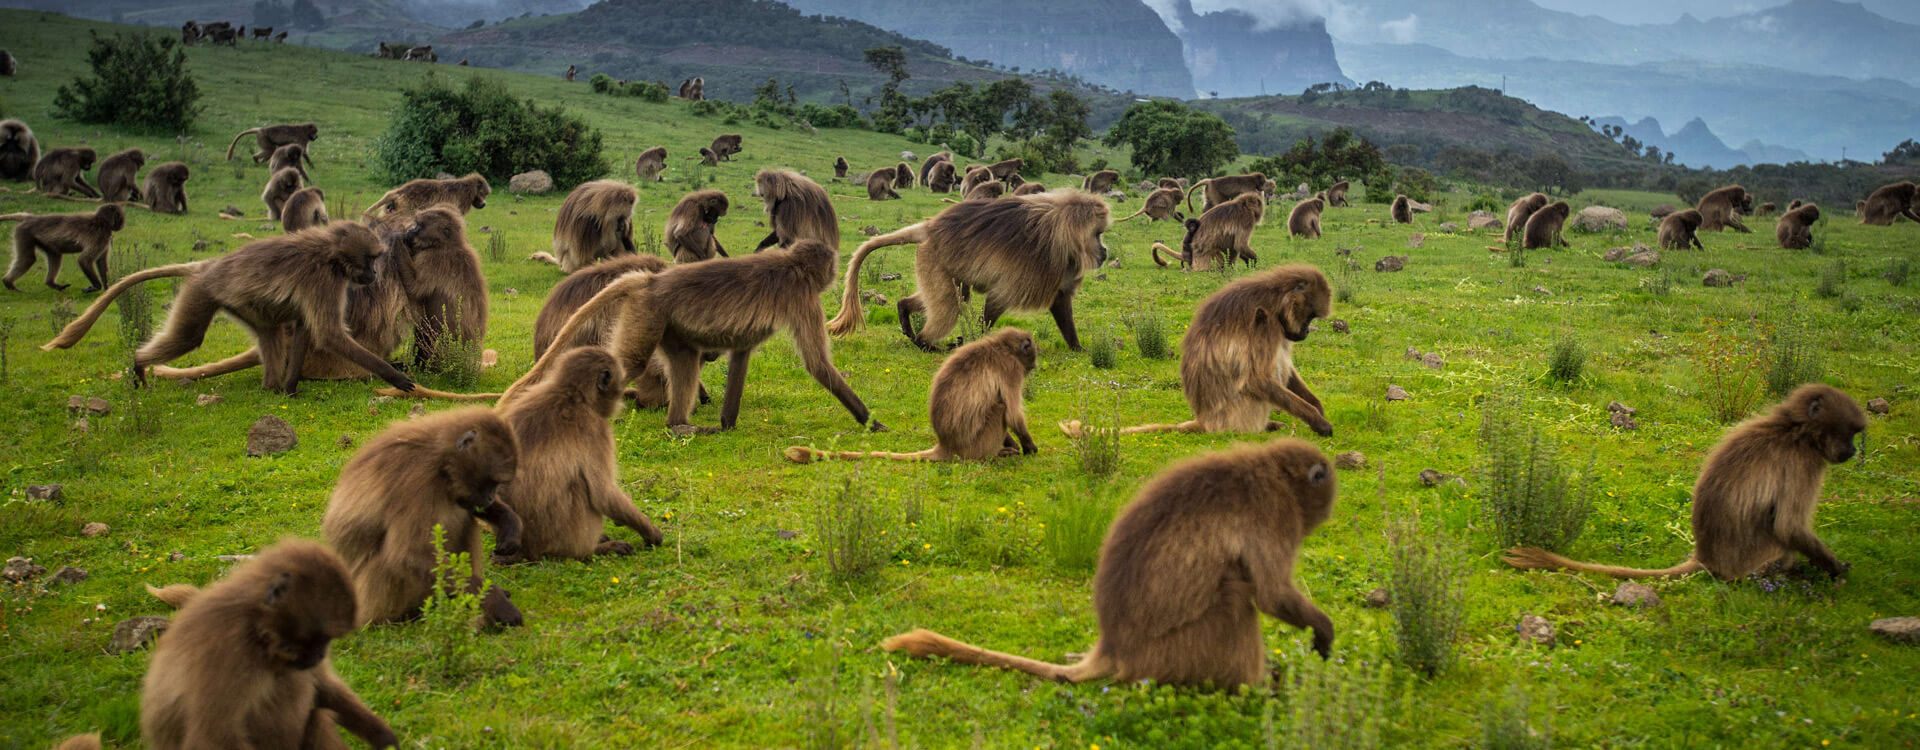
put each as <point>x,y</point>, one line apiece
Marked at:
<point>737,631</point>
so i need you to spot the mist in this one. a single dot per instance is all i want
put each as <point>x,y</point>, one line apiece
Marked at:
<point>1266,14</point>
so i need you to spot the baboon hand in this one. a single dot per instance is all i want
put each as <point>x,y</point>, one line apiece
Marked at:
<point>873,425</point>
<point>499,610</point>
<point>1323,428</point>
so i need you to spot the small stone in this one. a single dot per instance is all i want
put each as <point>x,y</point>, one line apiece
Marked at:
<point>1396,393</point>
<point>378,400</point>
<point>1620,408</point>
<point>1877,406</point>
<point>870,296</point>
<point>1390,263</point>
<point>418,410</point>
<point>1484,220</point>
<point>869,230</point>
<point>1898,629</point>
<point>889,277</point>
<point>1116,196</point>
<point>1623,421</point>
<point>1350,460</point>
<point>1377,599</point>
<point>176,556</point>
<point>1717,277</point>
<point>1432,361</point>
<point>231,210</point>
<point>44,491</point>
<point>200,246</point>
<point>1616,254</point>
<point>1416,239</point>
<point>76,403</point>
<point>1115,263</point>
<point>488,229</point>
<point>208,399</point>
<point>94,530</point>
<point>21,568</point>
<point>232,558</point>
<point>1630,594</point>
<point>1411,353</point>
<point>536,182</point>
<point>786,534</point>
<point>67,574</point>
<point>270,435</point>
<point>1536,628</point>
<point>81,425</point>
<point>907,156</point>
<point>98,407</point>
<point>135,633</point>
<point>1661,211</point>
<point>1433,478</point>
<point>345,442</point>
<point>1644,259</point>
<point>1338,325</point>
<point>1542,291</point>
<point>512,292</point>
<point>1449,227</point>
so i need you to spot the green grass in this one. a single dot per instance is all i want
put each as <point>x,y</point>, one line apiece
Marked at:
<point>734,634</point>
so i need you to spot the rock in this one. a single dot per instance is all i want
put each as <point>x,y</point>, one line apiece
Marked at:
<point>1303,189</point>
<point>1420,208</point>
<point>134,633</point>
<point>231,210</point>
<point>1350,460</point>
<point>785,534</point>
<point>1620,408</point>
<point>1898,629</point>
<point>1432,361</point>
<point>76,403</point>
<point>1600,219</point>
<point>1717,277</point>
<point>1630,594</point>
<point>81,425</point>
<point>1416,239</point>
<point>269,435</point>
<point>1338,325</point>
<point>1536,628</point>
<point>1411,353</point>
<point>346,442</point>
<point>1542,291</point>
<point>1144,186</point>
<point>907,156</point>
<point>98,407</point>
<point>870,296</point>
<point>536,182</point>
<point>232,558</point>
<point>21,568</point>
<point>208,399</point>
<point>1396,393</point>
<point>1449,227</point>
<point>1115,263</point>
<point>200,246</point>
<point>1377,599</point>
<point>1484,220</point>
<point>1433,478</point>
<point>44,491</point>
<point>1645,258</point>
<point>1623,421</point>
<point>512,292</point>
<point>417,411</point>
<point>889,277</point>
<point>1661,211</point>
<point>1390,263</point>
<point>94,530</point>
<point>1616,254</point>
<point>869,230</point>
<point>1877,406</point>
<point>176,556</point>
<point>67,574</point>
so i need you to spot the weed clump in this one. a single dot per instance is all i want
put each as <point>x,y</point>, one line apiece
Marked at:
<point>848,527</point>
<point>1833,280</point>
<point>1076,524</point>
<point>1525,488</point>
<point>1569,358</point>
<point>451,614</point>
<point>1427,590</point>
<point>1506,723</point>
<point>1150,334</point>
<point>1793,359</point>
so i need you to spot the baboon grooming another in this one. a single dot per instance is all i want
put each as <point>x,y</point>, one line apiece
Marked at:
<point>1888,203</point>
<point>939,177</point>
<point>89,234</point>
<point>1722,208</point>
<point>1304,221</point>
<point>442,469</point>
<point>595,222</point>
<point>165,188</point>
<point>1222,189</point>
<point>902,176</point>
<point>272,137</point>
<point>1161,205</point>
<point>880,185</point>
<point>18,150</point>
<point>650,164</point>
<point>1680,230</point>
<point>1007,171</point>
<point>119,176</point>
<point>1186,569</point>
<point>280,187</point>
<point>244,663</point>
<point>1223,234</point>
<point>1544,227</point>
<point>1337,195</point>
<point>840,167</point>
<point>1794,230</point>
<point>797,209</point>
<point>1100,182</point>
<point>1402,210</point>
<point>1754,502</point>
<point>974,175</point>
<point>461,194</point>
<point>725,146</point>
<point>690,227</point>
<point>1519,212</point>
<point>64,169</point>
<point>926,168</point>
<point>307,208</point>
<point>568,484</point>
<point>986,191</point>
<point>975,402</point>
<point>1025,253</point>
<point>291,155</point>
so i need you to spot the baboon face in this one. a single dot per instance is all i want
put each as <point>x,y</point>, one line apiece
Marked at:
<point>434,228</point>
<point>311,131</point>
<point>356,250</point>
<point>1307,300</point>
<point>112,216</point>
<point>1827,419</point>
<point>480,190</point>
<point>304,612</point>
<point>85,157</point>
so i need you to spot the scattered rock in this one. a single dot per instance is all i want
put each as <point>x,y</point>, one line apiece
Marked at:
<point>889,277</point>
<point>1536,628</point>
<point>1717,277</point>
<point>345,442</point>
<point>1390,263</point>
<point>1484,220</point>
<point>1338,325</point>
<point>785,534</point>
<point>1377,599</point>
<point>1303,189</point>
<point>94,530</point>
<point>1645,258</point>
<point>1449,227</point>
<point>869,230</point>
<point>270,435</point>
<point>208,399</point>
<point>1116,196</point>
<point>231,210</point>
<point>199,246</point>
<point>1600,219</point>
<point>536,182</point>
<point>1350,460</point>
<point>1433,478</point>
<point>907,156</point>
<point>1542,291</point>
<point>98,407</point>
<point>1877,406</point>
<point>81,425</point>
<point>1416,239</point>
<point>21,568</point>
<point>1143,186</point>
<point>1432,361</point>
<point>1630,594</point>
<point>135,633</point>
<point>1616,254</point>
<point>872,297</point>
<point>44,491</point>
<point>1420,208</point>
<point>417,411</point>
<point>1898,629</point>
<point>1396,393</point>
<point>1620,408</point>
<point>1411,353</point>
<point>67,574</point>
<point>1623,421</point>
<point>176,556</point>
<point>512,292</point>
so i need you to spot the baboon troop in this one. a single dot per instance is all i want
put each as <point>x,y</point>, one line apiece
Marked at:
<point>461,194</point>
<point>690,234</point>
<point>1544,227</point>
<point>595,222</point>
<point>119,176</point>
<point>65,169</point>
<point>18,151</point>
<point>1162,204</point>
<point>1007,171</point>
<point>1304,220</point>
<point>405,52</point>
<point>1100,182</point>
<point>1680,230</point>
<point>651,163</point>
<point>165,188</point>
<point>1794,230</point>
<point>1519,213</point>
<point>986,190</point>
<point>1722,208</point>
<point>270,138</point>
<point>305,208</point>
<point>976,404</point>
<point>1218,190</point>
<point>1882,208</point>
<point>89,235</point>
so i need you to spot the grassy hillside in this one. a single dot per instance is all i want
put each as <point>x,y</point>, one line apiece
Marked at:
<point>734,633</point>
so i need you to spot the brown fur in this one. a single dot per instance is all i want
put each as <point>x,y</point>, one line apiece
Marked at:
<point>650,164</point>
<point>691,227</point>
<point>1026,253</point>
<point>165,188</point>
<point>707,157</point>
<point>1519,212</point>
<point>119,176</point>
<point>1680,230</point>
<point>1337,195</point>
<point>1794,230</point>
<point>292,155</point>
<point>1219,190</point>
<point>986,191</point>
<point>1543,227</point>
<point>244,663</point>
<point>797,209</point>
<point>462,194</point>
<point>1029,188</point>
<point>19,151</point>
<point>926,168</point>
<point>1889,203</point>
<point>1007,171</point>
<point>1186,569</point>
<point>1754,502</point>
<point>1304,220</point>
<point>1795,204</point>
<point>1766,209</point>
<point>975,402</point>
<point>1722,208</point>
<point>1161,205</point>
<point>280,187</point>
<point>90,235</point>
<point>1173,182</point>
<point>1159,248</point>
<point>272,137</point>
<point>1100,182</point>
<point>725,146</point>
<point>939,177</point>
<point>648,389</point>
<point>1401,210</point>
<point>974,175</point>
<point>840,167</point>
<point>306,208</point>
<point>595,222</point>
<point>79,741</point>
<point>880,185</point>
<point>1224,233</point>
<point>64,169</point>
<point>571,72</point>
<point>902,176</point>
<point>9,65</point>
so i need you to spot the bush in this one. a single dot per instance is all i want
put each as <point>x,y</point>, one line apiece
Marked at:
<point>1100,350</point>
<point>1506,723</point>
<point>1168,138</point>
<point>601,83</point>
<point>1416,183</point>
<point>1729,381</point>
<point>1427,594</point>
<point>1793,359</point>
<point>1833,280</point>
<point>1076,525</point>
<point>139,81</point>
<point>1150,334</point>
<point>1525,491</point>
<point>451,615</point>
<point>836,116</point>
<point>1569,358</point>
<point>1487,202</point>
<point>849,532</point>
<point>486,129</point>
<point>1380,186</point>
<point>1898,271</point>
<point>1342,702</point>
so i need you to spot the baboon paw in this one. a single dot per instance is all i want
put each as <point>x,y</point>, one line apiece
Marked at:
<point>1323,429</point>
<point>1009,452</point>
<point>873,425</point>
<point>58,287</point>
<point>91,289</point>
<point>614,548</point>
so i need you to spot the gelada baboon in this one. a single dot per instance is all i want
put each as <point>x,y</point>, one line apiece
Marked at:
<point>1223,234</point>
<point>1722,208</point>
<point>1337,195</point>
<point>1028,188</point>
<point>939,177</point>
<point>725,146</point>
<point>1222,189</point>
<point>926,167</point>
<point>1886,204</point>
<point>1519,212</point>
<point>651,163</point>
<point>8,65</point>
<point>1543,227</point>
<point>64,169</point>
<point>797,209</point>
<point>263,32</point>
<point>272,137</point>
<point>1186,569</point>
<point>442,469</point>
<point>281,186</point>
<point>690,234</point>
<point>1681,230</point>
<point>986,191</point>
<point>976,405</point>
<point>686,86</point>
<point>18,151</point>
<point>569,479</point>
<point>244,663</point>
<point>1795,204</point>
<point>1304,221</point>
<point>1161,205</point>
<point>446,292</point>
<point>119,176</point>
<point>291,155</point>
<point>975,175</point>
<point>190,32</point>
<point>306,208</point>
<point>726,304</point>
<point>1753,504</point>
<point>571,72</point>
<point>288,291</point>
<point>880,185</point>
<point>1007,171</point>
<point>902,176</point>
<point>1236,362</point>
<point>1794,230</point>
<point>1173,182</point>
<point>595,222</point>
<point>707,157</point>
<point>1765,209</point>
<point>166,188</point>
<point>1100,182</point>
<point>1401,210</point>
<point>840,167</point>
<point>1025,253</point>
<point>461,194</point>
<point>90,235</point>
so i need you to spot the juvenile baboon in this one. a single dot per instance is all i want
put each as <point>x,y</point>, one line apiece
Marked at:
<point>1795,204</point>
<point>568,484</point>
<point>797,209</point>
<point>595,221</point>
<point>1402,210</point>
<point>1007,171</point>
<point>1680,230</point>
<point>18,150</point>
<point>571,71</point>
<point>292,155</point>
<point>1304,221</point>
<point>166,189</point>
<point>976,407</point>
<point>939,177</point>
<point>281,186</point>
<point>1794,230</point>
<point>244,662</point>
<point>263,32</point>
<point>1224,233</point>
<point>1186,570</point>
<point>1543,227</point>
<point>698,90</point>
<point>707,157</point>
<point>880,185</point>
<point>690,236</point>
<point>270,138</point>
<point>280,38</point>
<point>64,169</point>
<point>726,304</point>
<point>462,63</point>
<point>1028,188</point>
<point>90,235</point>
<point>383,53</point>
<point>926,167</point>
<point>1100,182</point>
<point>1519,213</point>
<point>303,209</point>
<point>1754,502</point>
<point>441,469</point>
<point>119,176</point>
<point>725,146</point>
<point>840,167</point>
<point>650,164</point>
<point>1161,205</point>
<point>1337,195</point>
<point>902,176</point>
<point>1222,189</point>
<point>1722,208</point>
<point>1236,362</point>
<point>1886,204</point>
<point>986,191</point>
<point>288,291</point>
<point>1025,253</point>
<point>462,194</point>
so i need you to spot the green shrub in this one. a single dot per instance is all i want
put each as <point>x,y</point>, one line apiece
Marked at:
<point>1077,522</point>
<point>1729,376</point>
<point>1379,186</point>
<point>1833,280</point>
<point>1098,446</point>
<point>455,359</point>
<point>1416,183</point>
<point>1898,271</point>
<point>836,116</point>
<point>1342,702</point>
<point>1524,488</point>
<point>1487,202</point>
<point>1150,334</point>
<point>601,83</point>
<point>139,81</point>
<point>484,128</point>
<point>1793,358</point>
<point>1100,350</point>
<point>451,614</point>
<point>1427,593</point>
<point>848,527</point>
<point>1569,358</point>
<point>1506,723</point>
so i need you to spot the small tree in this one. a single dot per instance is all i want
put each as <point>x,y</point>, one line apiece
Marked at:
<point>484,128</point>
<point>139,81</point>
<point>1168,138</point>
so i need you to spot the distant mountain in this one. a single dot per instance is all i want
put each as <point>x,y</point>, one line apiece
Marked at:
<point>372,16</point>
<point>1695,145</point>
<point>459,14</point>
<point>1231,55</point>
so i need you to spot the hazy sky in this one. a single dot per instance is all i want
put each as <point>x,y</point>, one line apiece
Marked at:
<point>1664,11</point>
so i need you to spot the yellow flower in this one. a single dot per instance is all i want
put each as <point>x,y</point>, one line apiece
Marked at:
<point>615,579</point>
<point>926,546</point>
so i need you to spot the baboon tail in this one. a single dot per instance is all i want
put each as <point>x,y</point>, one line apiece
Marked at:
<point>78,328</point>
<point>850,316</point>
<point>243,361</point>
<point>429,393</point>
<point>801,454</point>
<point>923,643</point>
<point>236,141</point>
<point>615,294</point>
<point>1157,247</point>
<point>1530,558</point>
<point>175,596</point>
<point>1196,186</point>
<point>1136,213</point>
<point>90,741</point>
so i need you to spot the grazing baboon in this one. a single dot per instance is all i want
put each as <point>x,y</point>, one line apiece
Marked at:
<point>986,191</point>
<point>1519,213</point>
<point>926,168</point>
<point>280,38</point>
<point>697,91</point>
<point>568,484</point>
<point>707,157</point>
<point>441,469</point>
<point>461,194</point>
<point>260,32</point>
<point>90,235</point>
<point>64,169</point>
<point>1887,204</point>
<point>975,175</point>
<point>272,137</point>
<point>1722,208</point>
<point>1766,209</point>
<point>303,209</point>
<point>244,662</point>
<point>1680,230</point>
<point>1025,253</point>
<point>225,35</point>
<point>840,167</point>
<point>726,304</point>
<point>1543,227</point>
<point>1222,189</point>
<point>1100,182</point>
<point>939,177</point>
<point>1236,362</point>
<point>1337,195</point>
<point>976,407</point>
<point>1028,188</point>
<point>423,53</point>
<point>1754,502</point>
<point>651,163</point>
<point>725,146</point>
<point>446,292</point>
<point>165,188</point>
<point>119,175</point>
<point>1304,221</point>
<point>288,291</point>
<point>1402,210</point>
<point>1161,205</point>
<point>902,176</point>
<point>1186,570</point>
<point>690,227</point>
<point>797,209</point>
<point>18,151</point>
<point>292,155</point>
<point>686,86</point>
<point>1794,230</point>
<point>190,33</point>
<point>595,222</point>
<point>280,187</point>
<point>880,185</point>
<point>462,63</point>
<point>571,71</point>
<point>1225,231</point>
<point>1007,171</point>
